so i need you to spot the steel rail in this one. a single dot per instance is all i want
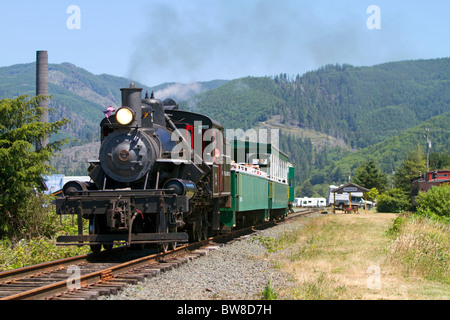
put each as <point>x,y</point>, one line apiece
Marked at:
<point>33,270</point>
<point>10,275</point>
<point>88,279</point>
<point>114,271</point>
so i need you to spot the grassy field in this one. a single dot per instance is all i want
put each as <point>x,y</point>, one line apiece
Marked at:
<point>360,256</point>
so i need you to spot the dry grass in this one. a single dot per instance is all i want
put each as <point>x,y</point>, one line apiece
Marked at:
<point>346,257</point>
<point>422,248</point>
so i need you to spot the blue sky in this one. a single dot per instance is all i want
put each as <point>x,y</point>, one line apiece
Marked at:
<point>158,41</point>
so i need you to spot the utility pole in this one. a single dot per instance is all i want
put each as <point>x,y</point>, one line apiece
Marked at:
<point>427,132</point>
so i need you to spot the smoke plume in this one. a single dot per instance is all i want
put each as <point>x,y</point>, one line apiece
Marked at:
<point>229,39</point>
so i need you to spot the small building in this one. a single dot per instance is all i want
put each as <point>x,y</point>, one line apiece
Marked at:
<point>349,188</point>
<point>427,181</point>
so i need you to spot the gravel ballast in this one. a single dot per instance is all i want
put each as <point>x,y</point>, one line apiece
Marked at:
<point>235,271</point>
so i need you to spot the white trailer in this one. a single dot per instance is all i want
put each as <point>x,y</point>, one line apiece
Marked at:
<point>321,202</point>
<point>309,202</point>
<point>297,202</point>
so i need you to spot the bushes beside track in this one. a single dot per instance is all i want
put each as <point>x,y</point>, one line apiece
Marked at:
<point>39,249</point>
<point>435,203</point>
<point>34,251</point>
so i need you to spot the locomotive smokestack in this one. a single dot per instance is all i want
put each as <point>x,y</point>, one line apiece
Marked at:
<point>42,88</point>
<point>131,98</point>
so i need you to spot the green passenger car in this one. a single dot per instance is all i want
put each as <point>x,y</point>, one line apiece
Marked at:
<point>278,198</point>
<point>261,187</point>
<point>249,198</point>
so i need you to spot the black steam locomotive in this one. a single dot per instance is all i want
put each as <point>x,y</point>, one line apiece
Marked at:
<point>160,178</point>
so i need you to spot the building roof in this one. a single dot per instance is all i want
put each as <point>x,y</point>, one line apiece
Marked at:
<point>350,187</point>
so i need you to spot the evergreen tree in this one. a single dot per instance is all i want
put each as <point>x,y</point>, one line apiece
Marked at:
<point>369,176</point>
<point>306,189</point>
<point>439,160</point>
<point>412,166</point>
<point>22,165</point>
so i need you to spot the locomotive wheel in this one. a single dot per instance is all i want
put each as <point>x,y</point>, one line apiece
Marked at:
<point>163,247</point>
<point>197,229</point>
<point>172,245</point>
<point>200,227</point>
<point>93,229</point>
<point>205,230</point>
<point>95,226</point>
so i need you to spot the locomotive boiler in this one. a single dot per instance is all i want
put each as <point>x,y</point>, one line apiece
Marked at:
<point>160,178</point>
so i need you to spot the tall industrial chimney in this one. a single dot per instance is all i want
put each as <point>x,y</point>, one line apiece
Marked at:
<point>42,88</point>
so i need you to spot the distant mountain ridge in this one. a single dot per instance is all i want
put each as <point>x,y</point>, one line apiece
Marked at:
<point>330,119</point>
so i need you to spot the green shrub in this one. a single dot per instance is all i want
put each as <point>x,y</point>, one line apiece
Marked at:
<point>39,249</point>
<point>34,251</point>
<point>269,243</point>
<point>396,225</point>
<point>434,202</point>
<point>394,201</point>
<point>269,292</point>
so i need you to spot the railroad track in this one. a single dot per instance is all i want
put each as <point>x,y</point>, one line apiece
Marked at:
<point>85,277</point>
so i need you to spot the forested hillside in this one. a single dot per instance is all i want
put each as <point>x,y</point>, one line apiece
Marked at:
<point>362,105</point>
<point>387,154</point>
<point>380,111</point>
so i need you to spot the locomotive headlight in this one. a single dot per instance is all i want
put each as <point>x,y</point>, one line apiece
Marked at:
<point>124,116</point>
